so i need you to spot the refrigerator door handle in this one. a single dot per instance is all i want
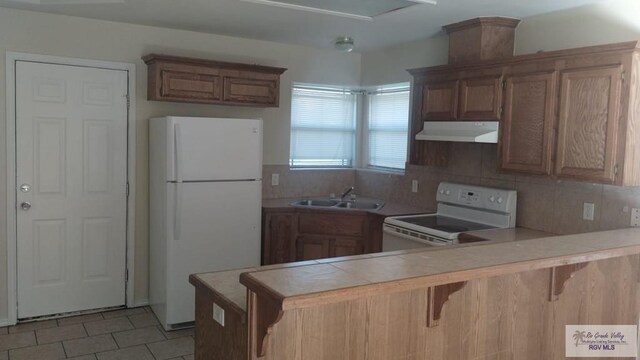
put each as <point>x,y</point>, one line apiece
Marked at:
<point>177,212</point>
<point>177,137</point>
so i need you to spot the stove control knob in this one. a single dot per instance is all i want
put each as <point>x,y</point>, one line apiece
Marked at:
<point>441,191</point>
<point>448,192</point>
<point>500,201</point>
<point>492,198</point>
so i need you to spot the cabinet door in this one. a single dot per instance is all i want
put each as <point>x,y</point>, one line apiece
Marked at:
<point>345,247</point>
<point>527,133</point>
<point>588,123</point>
<point>440,101</point>
<point>480,98</point>
<point>251,91</point>
<point>185,85</point>
<point>312,248</point>
<point>278,238</point>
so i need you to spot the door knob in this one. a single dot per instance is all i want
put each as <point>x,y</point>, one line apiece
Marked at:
<point>25,205</point>
<point>25,188</point>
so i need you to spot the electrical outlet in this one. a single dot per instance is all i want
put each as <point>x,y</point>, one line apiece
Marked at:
<point>275,179</point>
<point>218,314</point>
<point>635,217</point>
<point>414,186</point>
<point>588,211</point>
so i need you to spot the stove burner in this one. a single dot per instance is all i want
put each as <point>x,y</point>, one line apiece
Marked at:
<point>451,228</point>
<point>444,223</point>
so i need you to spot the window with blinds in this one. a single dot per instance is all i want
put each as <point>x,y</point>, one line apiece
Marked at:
<point>387,127</point>
<point>323,127</point>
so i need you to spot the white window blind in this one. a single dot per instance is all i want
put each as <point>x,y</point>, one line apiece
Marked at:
<point>387,127</point>
<point>323,127</point>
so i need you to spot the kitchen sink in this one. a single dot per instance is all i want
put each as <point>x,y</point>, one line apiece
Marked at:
<point>366,205</point>
<point>327,203</point>
<point>318,203</point>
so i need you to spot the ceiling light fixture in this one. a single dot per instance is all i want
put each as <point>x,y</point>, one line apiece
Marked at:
<point>344,44</point>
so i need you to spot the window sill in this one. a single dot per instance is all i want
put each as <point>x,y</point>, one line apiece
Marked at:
<point>320,168</point>
<point>383,171</point>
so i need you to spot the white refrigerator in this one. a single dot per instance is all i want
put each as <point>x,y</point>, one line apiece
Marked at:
<point>205,206</point>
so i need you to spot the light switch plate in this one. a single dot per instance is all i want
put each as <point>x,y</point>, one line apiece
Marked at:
<point>218,314</point>
<point>414,186</point>
<point>635,217</point>
<point>588,211</point>
<point>275,179</point>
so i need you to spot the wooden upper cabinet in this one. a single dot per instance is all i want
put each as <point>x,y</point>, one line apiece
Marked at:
<point>527,128</point>
<point>178,79</point>
<point>589,118</point>
<point>480,99</point>
<point>242,90</point>
<point>200,85</point>
<point>440,101</point>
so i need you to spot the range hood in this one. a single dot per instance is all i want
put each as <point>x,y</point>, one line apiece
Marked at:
<point>460,131</point>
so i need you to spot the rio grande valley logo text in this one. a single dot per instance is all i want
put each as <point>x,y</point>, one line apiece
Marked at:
<point>601,340</point>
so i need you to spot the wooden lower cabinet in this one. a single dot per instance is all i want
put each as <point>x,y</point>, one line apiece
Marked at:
<point>278,234</point>
<point>310,247</point>
<point>290,234</point>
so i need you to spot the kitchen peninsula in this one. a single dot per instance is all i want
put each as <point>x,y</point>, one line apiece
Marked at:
<point>509,299</point>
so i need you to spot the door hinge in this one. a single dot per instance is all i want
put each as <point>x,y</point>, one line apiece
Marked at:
<point>126,275</point>
<point>128,101</point>
<point>127,190</point>
<point>504,84</point>
<point>615,169</point>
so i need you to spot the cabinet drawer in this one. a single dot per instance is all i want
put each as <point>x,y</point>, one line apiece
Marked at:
<point>193,86</point>
<point>251,91</point>
<point>332,224</point>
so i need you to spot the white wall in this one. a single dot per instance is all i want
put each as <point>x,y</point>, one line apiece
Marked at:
<point>56,35</point>
<point>610,22</point>
<point>389,65</point>
<point>613,21</point>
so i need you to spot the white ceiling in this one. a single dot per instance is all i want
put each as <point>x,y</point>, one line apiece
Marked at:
<point>258,21</point>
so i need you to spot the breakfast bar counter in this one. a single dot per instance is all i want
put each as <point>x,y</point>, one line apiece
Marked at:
<point>460,302</point>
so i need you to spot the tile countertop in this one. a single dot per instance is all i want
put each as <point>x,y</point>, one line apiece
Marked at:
<point>227,283</point>
<point>333,281</point>
<point>389,208</point>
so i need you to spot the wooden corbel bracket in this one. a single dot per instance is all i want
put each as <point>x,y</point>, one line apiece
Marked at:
<point>559,277</point>
<point>437,297</point>
<point>266,315</point>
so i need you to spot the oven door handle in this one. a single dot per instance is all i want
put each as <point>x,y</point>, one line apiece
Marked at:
<point>412,238</point>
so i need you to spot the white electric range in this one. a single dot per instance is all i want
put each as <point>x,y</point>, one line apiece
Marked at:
<point>461,208</point>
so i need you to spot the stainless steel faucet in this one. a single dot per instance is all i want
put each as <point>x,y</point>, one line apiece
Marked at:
<point>349,191</point>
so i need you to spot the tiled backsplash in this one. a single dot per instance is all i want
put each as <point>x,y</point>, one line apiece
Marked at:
<point>301,183</point>
<point>543,204</point>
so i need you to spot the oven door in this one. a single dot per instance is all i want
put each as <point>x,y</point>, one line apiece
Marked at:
<point>393,240</point>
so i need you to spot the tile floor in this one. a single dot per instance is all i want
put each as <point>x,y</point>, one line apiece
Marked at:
<point>130,334</point>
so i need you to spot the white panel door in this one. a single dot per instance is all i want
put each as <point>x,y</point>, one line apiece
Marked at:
<point>216,226</point>
<point>217,149</point>
<point>71,148</point>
